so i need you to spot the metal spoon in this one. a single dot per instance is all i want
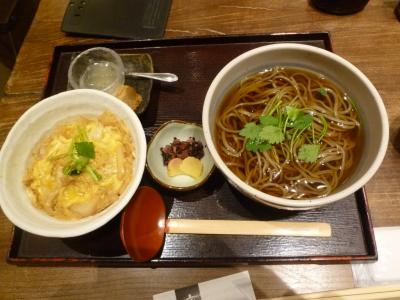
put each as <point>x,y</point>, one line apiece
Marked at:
<point>143,226</point>
<point>168,77</point>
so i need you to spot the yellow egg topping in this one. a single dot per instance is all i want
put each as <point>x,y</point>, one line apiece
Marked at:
<point>81,167</point>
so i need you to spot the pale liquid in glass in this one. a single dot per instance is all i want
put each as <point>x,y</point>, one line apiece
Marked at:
<point>99,75</point>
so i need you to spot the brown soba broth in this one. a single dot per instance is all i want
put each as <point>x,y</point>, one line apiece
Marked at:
<point>289,132</point>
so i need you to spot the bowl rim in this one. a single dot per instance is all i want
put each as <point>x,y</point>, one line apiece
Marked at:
<point>164,184</point>
<point>284,202</point>
<point>90,223</point>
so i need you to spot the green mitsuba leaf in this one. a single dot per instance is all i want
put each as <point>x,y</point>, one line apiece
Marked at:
<point>85,149</point>
<point>250,131</point>
<point>292,112</point>
<point>309,152</point>
<point>264,146</point>
<point>269,120</point>
<point>288,122</point>
<point>81,152</point>
<point>272,134</point>
<point>303,121</point>
<point>257,145</point>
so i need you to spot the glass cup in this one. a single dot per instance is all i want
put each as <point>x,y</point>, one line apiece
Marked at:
<point>97,68</point>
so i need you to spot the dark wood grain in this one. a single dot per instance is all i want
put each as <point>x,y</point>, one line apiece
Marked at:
<point>352,237</point>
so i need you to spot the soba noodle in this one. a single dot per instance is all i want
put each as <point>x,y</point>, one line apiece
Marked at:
<point>279,171</point>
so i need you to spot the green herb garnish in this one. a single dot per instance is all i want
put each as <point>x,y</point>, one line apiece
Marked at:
<point>272,134</point>
<point>269,120</point>
<point>303,121</point>
<point>280,124</point>
<point>92,172</point>
<point>257,145</point>
<point>251,130</point>
<point>324,130</point>
<point>309,152</point>
<point>85,149</point>
<point>76,166</point>
<point>80,153</point>
<point>292,113</point>
<point>323,91</point>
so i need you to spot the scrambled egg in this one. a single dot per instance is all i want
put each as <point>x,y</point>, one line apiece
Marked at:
<point>79,195</point>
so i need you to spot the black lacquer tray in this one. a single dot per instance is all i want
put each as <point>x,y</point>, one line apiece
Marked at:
<point>196,61</point>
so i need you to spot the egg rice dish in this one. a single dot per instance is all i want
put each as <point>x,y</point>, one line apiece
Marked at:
<point>81,167</point>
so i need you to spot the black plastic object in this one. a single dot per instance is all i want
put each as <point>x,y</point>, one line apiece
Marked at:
<point>133,19</point>
<point>397,11</point>
<point>15,19</point>
<point>340,7</point>
<point>396,142</point>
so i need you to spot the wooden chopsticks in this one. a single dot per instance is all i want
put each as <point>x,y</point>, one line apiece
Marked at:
<point>373,292</point>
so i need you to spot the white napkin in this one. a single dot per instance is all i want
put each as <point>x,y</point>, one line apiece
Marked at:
<point>233,287</point>
<point>387,269</point>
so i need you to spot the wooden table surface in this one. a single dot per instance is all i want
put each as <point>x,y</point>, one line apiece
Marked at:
<point>368,39</point>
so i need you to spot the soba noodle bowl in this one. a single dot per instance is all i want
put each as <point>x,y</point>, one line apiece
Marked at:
<point>289,132</point>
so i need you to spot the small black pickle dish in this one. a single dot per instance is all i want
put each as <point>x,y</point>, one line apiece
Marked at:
<point>178,139</point>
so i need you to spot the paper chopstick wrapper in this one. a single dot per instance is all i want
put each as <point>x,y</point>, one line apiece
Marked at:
<point>233,287</point>
<point>368,293</point>
<point>387,269</point>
